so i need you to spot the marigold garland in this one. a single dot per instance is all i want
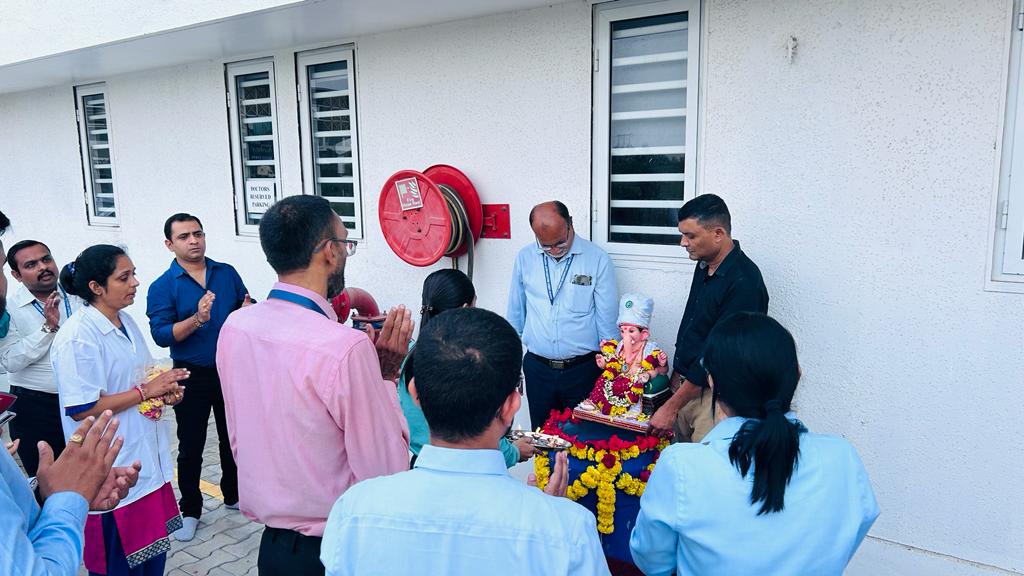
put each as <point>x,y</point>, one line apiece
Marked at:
<point>620,390</point>
<point>605,474</point>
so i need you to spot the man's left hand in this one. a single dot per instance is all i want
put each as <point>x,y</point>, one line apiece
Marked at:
<point>115,487</point>
<point>393,341</point>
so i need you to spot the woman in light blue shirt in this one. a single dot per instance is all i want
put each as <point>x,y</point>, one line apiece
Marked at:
<point>760,494</point>
<point>445,290</point>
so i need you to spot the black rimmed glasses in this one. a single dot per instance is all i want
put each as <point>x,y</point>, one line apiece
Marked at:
<point>350,245</point>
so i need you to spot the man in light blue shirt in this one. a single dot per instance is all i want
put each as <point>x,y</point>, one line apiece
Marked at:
<point>563,301</point>
<point>459,512</point>
<point>38,541</point>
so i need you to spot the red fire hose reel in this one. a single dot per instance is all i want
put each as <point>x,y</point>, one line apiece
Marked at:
<point>426,216</point>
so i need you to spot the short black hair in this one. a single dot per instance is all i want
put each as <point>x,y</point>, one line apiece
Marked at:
<point>560,209</point>
<point>179,217</point>
<point>467,362</point>
<point>5,223</point>
<point>18,247</point>
<point>709,210</point>
<point>292,228</point>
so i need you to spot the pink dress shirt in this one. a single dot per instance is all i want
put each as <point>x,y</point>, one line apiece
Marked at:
<point>308,412</point>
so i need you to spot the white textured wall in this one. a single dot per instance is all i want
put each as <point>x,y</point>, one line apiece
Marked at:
<point>41,28</point>
<point>860,178</point>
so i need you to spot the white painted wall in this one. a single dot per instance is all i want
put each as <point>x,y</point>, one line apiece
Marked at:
<point>859,175</point>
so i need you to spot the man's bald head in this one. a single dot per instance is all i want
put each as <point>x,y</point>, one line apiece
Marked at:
<point>552,226</point>
<point>550,213</point>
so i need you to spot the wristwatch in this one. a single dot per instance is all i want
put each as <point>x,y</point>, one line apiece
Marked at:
<point>49,330</point>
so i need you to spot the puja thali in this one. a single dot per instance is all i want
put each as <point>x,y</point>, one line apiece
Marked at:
<point>540,440</point>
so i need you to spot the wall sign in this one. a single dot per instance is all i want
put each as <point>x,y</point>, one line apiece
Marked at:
<point>259,195</point>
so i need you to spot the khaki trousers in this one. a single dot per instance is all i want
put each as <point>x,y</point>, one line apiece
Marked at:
<point>695,420</point>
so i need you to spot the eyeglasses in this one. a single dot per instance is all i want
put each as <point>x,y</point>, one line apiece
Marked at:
<point>350,245</point>
<point>704,365</point>
<point>520,384</point>
<point>560,245</point>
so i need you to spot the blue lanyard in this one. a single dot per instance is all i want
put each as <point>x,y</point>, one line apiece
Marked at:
<point>64,295</point>
<point>547,277</point>
<point>297,299</point>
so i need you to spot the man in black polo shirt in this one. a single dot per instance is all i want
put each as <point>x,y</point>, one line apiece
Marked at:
<point>725,281</point>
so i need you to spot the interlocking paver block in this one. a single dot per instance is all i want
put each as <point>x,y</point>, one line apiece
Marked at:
<point>203,567</point>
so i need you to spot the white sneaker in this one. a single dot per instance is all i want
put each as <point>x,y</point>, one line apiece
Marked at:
<point>187,530</point>
<point>232,506</point>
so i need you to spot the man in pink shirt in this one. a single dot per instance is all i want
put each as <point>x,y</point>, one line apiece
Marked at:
<point>311,404</point>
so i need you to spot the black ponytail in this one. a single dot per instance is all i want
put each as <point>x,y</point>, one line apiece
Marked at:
<point>444,290</point>
<point>751,359</point>
<point>94,264</point>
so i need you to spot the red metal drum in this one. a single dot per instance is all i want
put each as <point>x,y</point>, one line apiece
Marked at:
<point>414,218</point>
<point>452,177</point>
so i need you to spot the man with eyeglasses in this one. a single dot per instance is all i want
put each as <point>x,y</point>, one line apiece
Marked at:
<point>563,301</point>
<point>187,305</point>
<point>312,404</point>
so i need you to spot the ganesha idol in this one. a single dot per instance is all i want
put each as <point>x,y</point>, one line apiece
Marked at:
<point>633,381</point>
<point>611,456</point>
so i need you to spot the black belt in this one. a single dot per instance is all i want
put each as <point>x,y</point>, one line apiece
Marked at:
<point>28,392</point>
<point>566,363</point>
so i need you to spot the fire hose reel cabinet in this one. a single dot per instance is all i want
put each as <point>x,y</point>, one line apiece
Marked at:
<point>428,215</point>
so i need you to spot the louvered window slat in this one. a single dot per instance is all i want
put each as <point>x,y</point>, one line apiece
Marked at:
<point>328,132</point>
<point>97,165</point>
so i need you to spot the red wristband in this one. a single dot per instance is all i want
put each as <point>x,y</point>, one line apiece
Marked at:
<point>142,394</point>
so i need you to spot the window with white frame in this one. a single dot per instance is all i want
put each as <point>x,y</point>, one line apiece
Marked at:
<point>327,126</point>
<point>93,114</point>
<point>254,149</point>
<point>1009,234</point>
<point>645,125</point>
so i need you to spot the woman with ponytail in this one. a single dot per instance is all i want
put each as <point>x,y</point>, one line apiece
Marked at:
<point>760,494</point>
<point>99,359</point>
<point>444,290</point>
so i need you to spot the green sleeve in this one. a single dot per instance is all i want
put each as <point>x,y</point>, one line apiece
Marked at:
<point>509,451</point>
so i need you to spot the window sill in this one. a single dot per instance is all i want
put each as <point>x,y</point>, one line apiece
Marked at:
<point>651,262</point>
<point>1005,283</point>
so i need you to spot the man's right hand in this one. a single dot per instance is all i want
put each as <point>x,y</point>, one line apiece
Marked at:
<point>84,465</point>
<point>51,311</point>
<point>558,482</point>
<point>205,304</point>
<point>663,420</point>
<point>393,341</point>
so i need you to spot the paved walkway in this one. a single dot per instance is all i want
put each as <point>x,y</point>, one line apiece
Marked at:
<point>226,543</point>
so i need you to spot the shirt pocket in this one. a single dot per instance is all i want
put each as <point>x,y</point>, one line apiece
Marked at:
<point>579,299</point>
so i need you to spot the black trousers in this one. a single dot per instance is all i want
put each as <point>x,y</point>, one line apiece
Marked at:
<point>288,553</point>
<point>202,393</point>
<point>550,389</point>
<point>38,419</point>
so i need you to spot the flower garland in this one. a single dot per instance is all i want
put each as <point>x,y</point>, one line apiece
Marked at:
<point>606,473</point>
<point>620,390</point>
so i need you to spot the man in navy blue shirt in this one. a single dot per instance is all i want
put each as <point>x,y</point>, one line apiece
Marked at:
<point>187,305</point>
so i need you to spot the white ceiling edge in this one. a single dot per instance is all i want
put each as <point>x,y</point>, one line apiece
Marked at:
<point>266,30</point>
